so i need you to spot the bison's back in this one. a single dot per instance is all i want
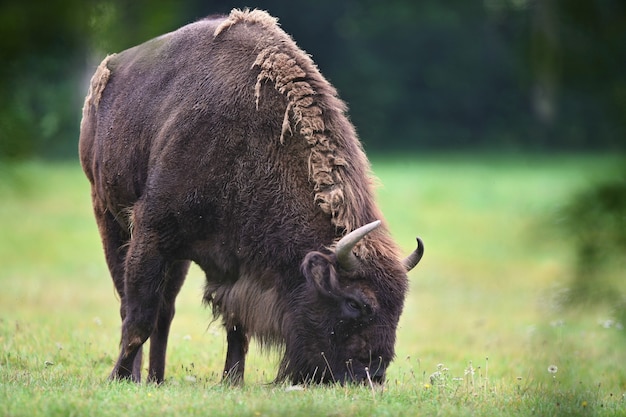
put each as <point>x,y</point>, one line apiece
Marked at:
<point>177,101</point>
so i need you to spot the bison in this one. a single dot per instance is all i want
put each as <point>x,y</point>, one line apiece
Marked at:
<point>222,144</point>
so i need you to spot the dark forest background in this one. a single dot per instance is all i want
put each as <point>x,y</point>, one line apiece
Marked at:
<point>497,75</point>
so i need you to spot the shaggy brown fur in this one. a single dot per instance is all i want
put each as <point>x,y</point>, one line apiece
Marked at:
<point>222,144</point>
<point>312,103</point>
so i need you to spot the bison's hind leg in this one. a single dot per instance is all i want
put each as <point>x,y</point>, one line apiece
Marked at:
<point>115,239</point>
<point>175,277</point>
<point>151,283</point>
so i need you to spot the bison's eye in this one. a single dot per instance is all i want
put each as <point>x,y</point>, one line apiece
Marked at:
<point>353,305</point>
<point>352,308</point>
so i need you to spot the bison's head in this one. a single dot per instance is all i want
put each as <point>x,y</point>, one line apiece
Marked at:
<point>343,326</point>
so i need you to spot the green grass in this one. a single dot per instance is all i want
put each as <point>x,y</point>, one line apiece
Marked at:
<point>481,326</point>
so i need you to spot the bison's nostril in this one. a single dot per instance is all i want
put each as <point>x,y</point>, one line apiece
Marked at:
<point>379,376</point>
<point>377,373</point>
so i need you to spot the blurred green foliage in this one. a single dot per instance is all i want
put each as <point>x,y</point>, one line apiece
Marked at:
<point>492,74</point>
<point>595,222</point>
<point>42,47</point>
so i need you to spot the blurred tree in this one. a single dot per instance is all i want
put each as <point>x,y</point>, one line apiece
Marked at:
<point>119,24</point>
<point>429,75</point>
<point>579,70</point>
<point>41,45</point>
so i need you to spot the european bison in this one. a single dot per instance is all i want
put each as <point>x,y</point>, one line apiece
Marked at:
<point>222,144</point>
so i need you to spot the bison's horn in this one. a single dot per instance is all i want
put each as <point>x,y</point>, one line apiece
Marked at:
<point>344,247</point>
<point>414,258</point>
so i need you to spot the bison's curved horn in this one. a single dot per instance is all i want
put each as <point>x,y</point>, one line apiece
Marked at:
<point>344,247</point>
<point>414,258</point>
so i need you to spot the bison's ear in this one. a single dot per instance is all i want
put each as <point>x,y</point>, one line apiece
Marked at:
<point>319,270</point>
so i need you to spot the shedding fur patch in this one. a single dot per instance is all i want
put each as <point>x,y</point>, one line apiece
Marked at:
<point>98,83</point>
<point>304,113</point>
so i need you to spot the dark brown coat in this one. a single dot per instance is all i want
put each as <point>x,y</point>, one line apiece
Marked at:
<point>222,144</point>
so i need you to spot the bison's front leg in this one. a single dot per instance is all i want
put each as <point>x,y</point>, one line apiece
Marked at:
<point>235,355</point>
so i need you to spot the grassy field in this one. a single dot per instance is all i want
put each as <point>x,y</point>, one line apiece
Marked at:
<point>483,332</point>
